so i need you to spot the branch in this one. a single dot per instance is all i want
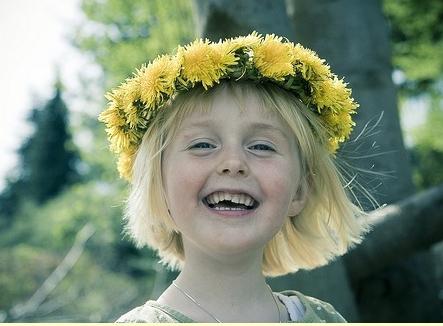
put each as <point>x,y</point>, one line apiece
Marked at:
<point>399,230</point>
<point>32,305</point>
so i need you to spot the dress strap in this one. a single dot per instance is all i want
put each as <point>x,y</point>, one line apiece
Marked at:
<point>293,305</point>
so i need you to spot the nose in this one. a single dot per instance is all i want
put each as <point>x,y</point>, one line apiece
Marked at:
<point>233,164</point>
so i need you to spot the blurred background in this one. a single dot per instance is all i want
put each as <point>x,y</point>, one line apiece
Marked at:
<point>63,255</point>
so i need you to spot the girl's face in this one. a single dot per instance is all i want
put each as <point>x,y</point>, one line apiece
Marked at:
<point>231,177</point>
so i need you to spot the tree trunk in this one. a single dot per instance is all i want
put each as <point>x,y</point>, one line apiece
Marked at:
<point>227,18</point>
<point>329,283</point>
<point>353,37</point>
<point>413,224</point>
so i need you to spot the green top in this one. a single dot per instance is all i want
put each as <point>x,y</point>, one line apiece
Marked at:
<point>315,311</point>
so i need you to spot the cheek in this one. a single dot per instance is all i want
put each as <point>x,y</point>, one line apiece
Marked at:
<point>183,181</point>
<point>280,187</point>
<point>280,191</point>
<point>281,181</point>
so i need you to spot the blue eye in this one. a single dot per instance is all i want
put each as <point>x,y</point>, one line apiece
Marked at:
<point>202,145</point>
<point>262,147</point>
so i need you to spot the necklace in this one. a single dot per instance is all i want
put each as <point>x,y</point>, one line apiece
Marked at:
<point>212,316</point>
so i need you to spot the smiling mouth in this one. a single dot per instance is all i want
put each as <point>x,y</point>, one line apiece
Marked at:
<point>222,201</point>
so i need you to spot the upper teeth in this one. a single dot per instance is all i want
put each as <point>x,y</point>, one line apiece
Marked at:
<point>219,196</point>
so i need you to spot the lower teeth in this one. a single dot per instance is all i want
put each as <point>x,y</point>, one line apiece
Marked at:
<point>229,209</point>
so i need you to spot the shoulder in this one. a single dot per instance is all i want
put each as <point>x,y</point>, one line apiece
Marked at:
<point>316,310</point>
<point>150,312</point>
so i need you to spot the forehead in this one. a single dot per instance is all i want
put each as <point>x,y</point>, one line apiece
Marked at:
<point>228,103</point>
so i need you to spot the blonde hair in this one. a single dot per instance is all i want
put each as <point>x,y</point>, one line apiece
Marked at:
<point>326,227</point>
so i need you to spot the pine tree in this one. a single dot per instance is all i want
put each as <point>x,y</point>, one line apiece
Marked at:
<point>47,158</point>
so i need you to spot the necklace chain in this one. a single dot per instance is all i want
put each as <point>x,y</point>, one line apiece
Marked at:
<point>212,316</point>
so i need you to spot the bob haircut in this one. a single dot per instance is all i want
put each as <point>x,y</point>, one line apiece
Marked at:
<point>325,228</point>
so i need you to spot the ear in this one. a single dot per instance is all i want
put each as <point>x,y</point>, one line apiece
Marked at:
<point>299,200</point>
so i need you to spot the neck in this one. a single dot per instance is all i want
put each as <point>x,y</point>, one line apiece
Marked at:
<point>234,281</point>
<point>233,289</point>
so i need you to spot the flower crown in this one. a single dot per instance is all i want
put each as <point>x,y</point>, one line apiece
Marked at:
<point>300,71</point>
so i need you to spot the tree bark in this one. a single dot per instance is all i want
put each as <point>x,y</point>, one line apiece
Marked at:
<point>353,37</point>
<point>412,225</point>
<point>228,18</point>
<point>393,272</point>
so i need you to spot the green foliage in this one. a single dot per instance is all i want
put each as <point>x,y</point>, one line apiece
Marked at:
<point>428,166</point>
<point>22,270</point>
<point>98,288</point>
<point>47,158</point>
<point>88,293</point>
<point>427,155</point>
<point>431,133</point>
<point>417,38</point>
<point>56,223</point>
<point>122,35</point>
<point>417,46</point>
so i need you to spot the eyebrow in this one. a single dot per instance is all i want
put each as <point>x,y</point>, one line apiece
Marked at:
<point>210,124</point>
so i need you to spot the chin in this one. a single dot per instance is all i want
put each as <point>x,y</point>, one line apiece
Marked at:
<point>230,246</point>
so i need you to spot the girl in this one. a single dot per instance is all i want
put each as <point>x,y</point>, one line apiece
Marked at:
<point>229,148</point>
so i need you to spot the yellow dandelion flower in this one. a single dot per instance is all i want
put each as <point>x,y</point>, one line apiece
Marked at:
<point>332,94</point>
<point>119,139</point>
<point>345,124</point>
<point>324,94</point>
<point>223,57</point>
<point>338,124</point>
<point>122,138</point>
<point>340,87</point>
<point>197,63</point>
<point>333,144</point>
<point>273,58</point>
<point>132,116</point>
<point>349,105</point>
<point>134,136</point>
<point>125,163</point>
<point>112,116</point>
<point>116,97</point>
<point>249,41</point>
<point>344,98</point>
<point>309,64</point>
<point>157,80</point>
<point>331,118</point>
<point>135,102</point>
<point>128,92</point>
